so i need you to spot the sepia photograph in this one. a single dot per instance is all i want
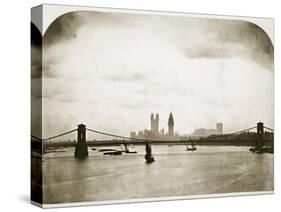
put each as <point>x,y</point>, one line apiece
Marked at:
<point>133,106</point>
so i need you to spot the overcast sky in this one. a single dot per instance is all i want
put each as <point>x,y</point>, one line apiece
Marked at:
<point>111,70</point>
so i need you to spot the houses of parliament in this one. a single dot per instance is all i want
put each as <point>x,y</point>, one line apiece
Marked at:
<point>155,132</point>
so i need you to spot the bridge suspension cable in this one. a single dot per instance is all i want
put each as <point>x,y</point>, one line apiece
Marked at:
<point>113,135</point>
<point>35,137</point>
<point>234,133</point>
<point>59,135</point>
<point>241,131</point>
<point>269,128</point>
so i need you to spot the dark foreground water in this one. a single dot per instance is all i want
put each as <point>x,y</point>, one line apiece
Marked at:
<point>209,170</point>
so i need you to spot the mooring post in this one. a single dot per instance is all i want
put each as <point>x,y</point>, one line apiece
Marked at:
<point>81,149</point>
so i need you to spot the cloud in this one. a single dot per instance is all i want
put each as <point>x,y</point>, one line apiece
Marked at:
<point>223,38</point>
<point>230,38</point>
<point>104,69</point>
<point>62,29</point>
<point>125,77</point>
<point>212,51</point>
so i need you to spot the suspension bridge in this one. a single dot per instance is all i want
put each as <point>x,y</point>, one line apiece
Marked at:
<point>106,139</point>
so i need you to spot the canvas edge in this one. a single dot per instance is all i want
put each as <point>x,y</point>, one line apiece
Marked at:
<point>36,23</point>
<point>158,199</point>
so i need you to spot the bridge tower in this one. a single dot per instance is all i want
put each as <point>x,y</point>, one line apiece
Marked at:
<point>81,149</point>
<point>260,132</point>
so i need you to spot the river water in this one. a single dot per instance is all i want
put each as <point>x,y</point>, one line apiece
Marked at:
<point>175,172</point>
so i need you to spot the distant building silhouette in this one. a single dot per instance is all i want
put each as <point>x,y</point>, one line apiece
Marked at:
<point>171,125</point>
<point>154,123</point>
<point>162,132</point>
<point>219,128</point>
<point>133,134</point>
<point>202,132</point>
